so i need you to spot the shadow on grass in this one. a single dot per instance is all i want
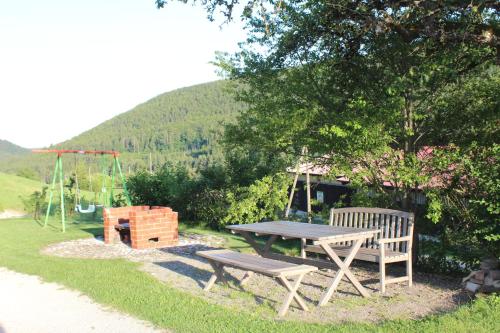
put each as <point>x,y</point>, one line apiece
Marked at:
<point>94,231</point>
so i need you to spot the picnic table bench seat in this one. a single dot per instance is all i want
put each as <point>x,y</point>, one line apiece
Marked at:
<point>277,269</point>
<point>392,244</point>
<point>364,254</point>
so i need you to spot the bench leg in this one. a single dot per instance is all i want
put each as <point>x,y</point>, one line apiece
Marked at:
<point>218,275</point>
<point>409,270</point>
<point>292,294</point>
<point>382,268</point>
<point>210,282</point>
<point>382,275</point>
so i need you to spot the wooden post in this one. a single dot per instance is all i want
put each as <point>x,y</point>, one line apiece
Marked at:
<point>308,188</point>
<point>292,192</point>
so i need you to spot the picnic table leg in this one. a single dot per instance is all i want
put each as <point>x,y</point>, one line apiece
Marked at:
<point>261,251</point>
<point>217,275</point>
<point>292,294</point>
<point>343,270</point>
<point>303,243</point>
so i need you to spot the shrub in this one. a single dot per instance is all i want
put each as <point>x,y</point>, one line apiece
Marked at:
<point>261,200</point>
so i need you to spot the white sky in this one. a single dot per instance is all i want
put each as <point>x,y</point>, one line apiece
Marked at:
<point>68,65</point>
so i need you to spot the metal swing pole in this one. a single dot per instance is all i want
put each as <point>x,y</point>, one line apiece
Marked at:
<point>61,186</point>
<point>52,188</point>
<point>103,188</point>
<point>111,197</point>
<point>124,183</point>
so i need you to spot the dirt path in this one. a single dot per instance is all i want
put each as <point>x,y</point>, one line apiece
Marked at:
<point>29,305</point>
<point>9,213</point>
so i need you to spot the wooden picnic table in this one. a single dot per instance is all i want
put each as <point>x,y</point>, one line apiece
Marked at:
<point>319,234</point>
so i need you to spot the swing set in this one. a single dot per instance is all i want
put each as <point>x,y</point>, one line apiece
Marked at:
<point>105,200</point>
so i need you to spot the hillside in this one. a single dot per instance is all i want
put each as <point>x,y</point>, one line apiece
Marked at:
<point>8,150</point>
<point>12,187</point>
<point>183,126</point>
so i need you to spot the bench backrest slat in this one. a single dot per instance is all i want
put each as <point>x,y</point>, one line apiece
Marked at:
<point>392,224</point>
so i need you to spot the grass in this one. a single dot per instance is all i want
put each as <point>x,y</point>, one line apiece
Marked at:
<point>119,283</point>
<point>12,188</point>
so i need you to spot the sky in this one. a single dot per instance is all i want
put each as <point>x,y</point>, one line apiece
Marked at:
<point>68,65</point>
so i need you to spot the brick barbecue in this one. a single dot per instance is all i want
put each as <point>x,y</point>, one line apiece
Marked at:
<point>144,227</point>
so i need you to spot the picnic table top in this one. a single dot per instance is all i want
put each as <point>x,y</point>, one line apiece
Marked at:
<point>315,232</point>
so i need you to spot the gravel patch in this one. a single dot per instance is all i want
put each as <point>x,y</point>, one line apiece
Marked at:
<point>180,268</point>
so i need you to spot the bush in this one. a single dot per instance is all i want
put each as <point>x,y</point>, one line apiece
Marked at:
<point>261,200</point>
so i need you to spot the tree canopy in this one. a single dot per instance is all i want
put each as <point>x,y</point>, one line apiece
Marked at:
<point>368,86</point>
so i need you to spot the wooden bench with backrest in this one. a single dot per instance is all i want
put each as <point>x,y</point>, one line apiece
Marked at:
<point>392,244</point>
<point>254,264</point>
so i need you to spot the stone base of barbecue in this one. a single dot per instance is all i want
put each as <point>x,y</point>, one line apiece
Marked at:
<point>149,227</point>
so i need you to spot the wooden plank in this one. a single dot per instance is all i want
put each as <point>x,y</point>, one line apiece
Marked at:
<point>376,225</point>
<point>365,254</point>
<point>396,280</point>
<point>392,231</point>
<point>385,232</point>
<point>300,230</point>
<point>404,233</point>
<point>332,218</point>
<point>396,246</point>
<point>373,210</point>
<point>302,261</point>
<point>370,225</point>
<point>254,263</point>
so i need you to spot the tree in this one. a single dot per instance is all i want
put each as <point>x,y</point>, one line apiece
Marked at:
<point>358,82</point>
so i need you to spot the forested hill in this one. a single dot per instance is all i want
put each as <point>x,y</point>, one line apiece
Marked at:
<point>183,126</point>
<point>8,149</point>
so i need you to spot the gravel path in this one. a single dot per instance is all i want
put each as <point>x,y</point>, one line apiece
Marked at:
<point>180,268</point>
<point>9,213</point>
<point>28,305</point>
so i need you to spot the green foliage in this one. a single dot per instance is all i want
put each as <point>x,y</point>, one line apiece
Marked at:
<point>369,86</point>
<point>261,200</point>
<point>469,206</point>
<point>210,196</point>
<point>170,186</point>
<point>35,203</point>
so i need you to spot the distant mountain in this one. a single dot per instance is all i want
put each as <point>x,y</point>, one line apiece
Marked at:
<point>181,126</point>
<point>8,150</point>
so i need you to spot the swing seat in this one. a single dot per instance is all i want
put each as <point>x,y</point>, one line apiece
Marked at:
<point>90,209</point>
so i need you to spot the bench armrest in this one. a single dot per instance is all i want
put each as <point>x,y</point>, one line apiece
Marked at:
<point>393,240</point>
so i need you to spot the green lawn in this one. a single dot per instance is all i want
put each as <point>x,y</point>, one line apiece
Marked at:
<point>12,187</point>
<point>120,284</point>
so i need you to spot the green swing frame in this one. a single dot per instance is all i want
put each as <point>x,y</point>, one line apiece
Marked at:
<point>58,173</point>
